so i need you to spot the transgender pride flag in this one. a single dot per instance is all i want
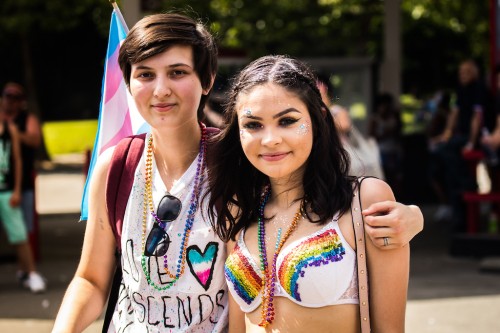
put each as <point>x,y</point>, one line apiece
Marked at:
<point>118,116</point>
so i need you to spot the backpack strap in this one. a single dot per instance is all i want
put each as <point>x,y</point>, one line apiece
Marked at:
<point>359,232</point>
<point>126,156</point>
<point>120,178</point>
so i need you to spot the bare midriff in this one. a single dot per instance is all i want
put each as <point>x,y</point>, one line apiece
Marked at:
<point>293,318</point>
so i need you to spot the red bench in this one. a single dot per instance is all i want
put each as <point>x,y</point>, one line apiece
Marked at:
<point>472,200</point>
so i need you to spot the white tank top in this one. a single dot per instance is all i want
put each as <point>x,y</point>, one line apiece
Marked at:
<point>197,302</point>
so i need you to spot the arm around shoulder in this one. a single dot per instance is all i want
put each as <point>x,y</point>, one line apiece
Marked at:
<point>88,291</point>
<point>399,222</point>
<point>388,271</point>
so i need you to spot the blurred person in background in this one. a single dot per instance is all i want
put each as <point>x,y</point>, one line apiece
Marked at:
<point>462,134</point>
<point>439,166</point>
<point>464,125</point>
<point>30,135</point>
<point>10,195</point>
<point>490,139</point>
<point>339,113</point>
<point>364,153</point>
<point>385,126</point>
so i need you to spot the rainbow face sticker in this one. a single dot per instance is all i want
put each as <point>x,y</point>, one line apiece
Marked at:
<point>247,112</point>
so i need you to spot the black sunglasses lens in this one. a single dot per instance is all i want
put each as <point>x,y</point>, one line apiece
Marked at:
<point>169,208</point>
<point>158,240</point>
<point>153,243</point>
<point>162,247</point>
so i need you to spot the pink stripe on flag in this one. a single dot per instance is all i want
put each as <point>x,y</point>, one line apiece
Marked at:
<point>124,131</point>
<point>113,76</point>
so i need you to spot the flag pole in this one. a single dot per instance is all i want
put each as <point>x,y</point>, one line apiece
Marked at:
<point>119,14</point>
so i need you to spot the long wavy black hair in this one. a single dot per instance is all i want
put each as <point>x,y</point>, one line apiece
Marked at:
<point>235,185</point>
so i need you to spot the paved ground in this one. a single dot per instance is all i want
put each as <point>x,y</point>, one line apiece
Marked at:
<point>447,294</point>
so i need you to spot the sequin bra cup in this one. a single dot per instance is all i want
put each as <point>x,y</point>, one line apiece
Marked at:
<point>314,271</point>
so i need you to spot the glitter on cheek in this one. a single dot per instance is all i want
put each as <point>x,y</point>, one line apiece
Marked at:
<point>243,135</point>
<point>303,129</point>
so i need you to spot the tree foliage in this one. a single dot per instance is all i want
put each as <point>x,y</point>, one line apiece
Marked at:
<point>38,37</point>
<point>299,27</point>
<point>436,34</point>
<point>32,16</point>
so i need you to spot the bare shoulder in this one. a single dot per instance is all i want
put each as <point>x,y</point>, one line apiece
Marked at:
<point>100,172</point>
<point>104,160</point>
<point>375,190</point>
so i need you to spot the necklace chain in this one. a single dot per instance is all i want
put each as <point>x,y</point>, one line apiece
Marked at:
<point>148,205</point>
<point>269,280</point>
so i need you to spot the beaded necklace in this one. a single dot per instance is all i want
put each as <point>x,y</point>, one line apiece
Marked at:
<point>269,280</point>
<point>148,205</point>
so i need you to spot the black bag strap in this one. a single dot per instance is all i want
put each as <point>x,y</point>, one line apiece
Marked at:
<point>113,294</point>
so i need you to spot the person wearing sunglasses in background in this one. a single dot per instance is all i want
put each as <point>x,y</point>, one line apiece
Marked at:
<point>11,180</point>
<point>30,135</point>
<point>295,252</point>
<point>172,260</point>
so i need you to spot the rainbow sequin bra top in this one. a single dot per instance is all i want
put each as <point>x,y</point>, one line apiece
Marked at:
<point>319,249</point>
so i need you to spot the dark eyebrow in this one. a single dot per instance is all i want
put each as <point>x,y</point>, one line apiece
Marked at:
<point>179,65</point>
<point>282,113</point>
<point>141,67</point>
<point>279,114</point>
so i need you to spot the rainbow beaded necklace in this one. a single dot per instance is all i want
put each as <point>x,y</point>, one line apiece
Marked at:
<point>148,205</point>
<point>269,276</point>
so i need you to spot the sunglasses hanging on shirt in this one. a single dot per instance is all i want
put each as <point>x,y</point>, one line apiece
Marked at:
<point>158,240</point>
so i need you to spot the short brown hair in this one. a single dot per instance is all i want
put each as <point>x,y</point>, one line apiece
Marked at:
<point>156,33</point>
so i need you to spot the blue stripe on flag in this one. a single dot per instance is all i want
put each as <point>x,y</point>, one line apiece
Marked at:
<point>117,32</point>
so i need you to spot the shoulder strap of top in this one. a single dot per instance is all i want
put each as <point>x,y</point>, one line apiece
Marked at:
<point>359,232</point>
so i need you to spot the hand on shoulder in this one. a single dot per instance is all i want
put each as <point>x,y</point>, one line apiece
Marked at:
<point>386,218</point>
